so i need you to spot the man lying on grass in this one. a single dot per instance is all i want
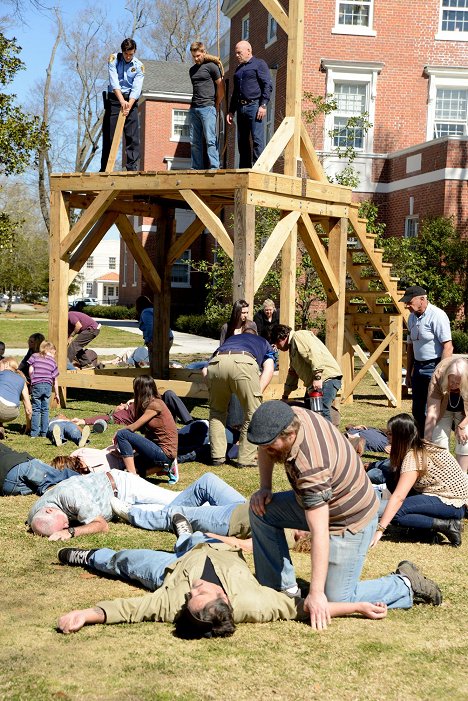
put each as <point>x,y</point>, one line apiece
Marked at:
<point>205,587</point>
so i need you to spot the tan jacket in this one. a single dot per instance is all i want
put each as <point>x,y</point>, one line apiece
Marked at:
<point>251,602</point>
<point>309,359</point>
<point>435,392</point>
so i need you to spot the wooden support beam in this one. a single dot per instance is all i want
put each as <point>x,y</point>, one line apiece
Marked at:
<point>244,250</point>
<point>87,246</point>
<point>166,235</point>
<point>309,156</point>
<point>347,364</point>
<point>276,145</point>
<point>293,106</point>
<point>139,254</point>
<point>393,401</point>
<point>288,292</point>
<point>185,240</point>
<point>291,204</point>
<point>277,11</point>
<point>395,358</point>
<point>136,208</point>
<point>210,220</point>
<point>335,313</point>
<point>319,257</point>
<point>116,142</point>
<point>270,250</point>
<point>87,220</point>
<point>368,363</point>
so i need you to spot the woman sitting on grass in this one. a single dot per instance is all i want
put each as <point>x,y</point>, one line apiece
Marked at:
<point>432,489</point>
<point>160,445</point>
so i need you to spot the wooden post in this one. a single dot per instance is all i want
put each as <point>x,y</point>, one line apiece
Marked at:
<point>58,285</point>
<point>165,232</point>
<point>243,284</point>
<point>335,313</point>
<point>395,358</point>
<point>115,142</point>
<point>347,363</point>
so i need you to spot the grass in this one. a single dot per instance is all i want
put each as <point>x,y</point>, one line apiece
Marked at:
<point>418,654</point>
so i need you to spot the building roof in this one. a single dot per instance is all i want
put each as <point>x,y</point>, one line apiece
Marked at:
<point>110,277</point>
<point>167,77</point>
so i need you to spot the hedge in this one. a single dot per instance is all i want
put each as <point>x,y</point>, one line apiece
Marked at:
<point>197,324</point>
<point>111,312</point>
<point>460,342</point>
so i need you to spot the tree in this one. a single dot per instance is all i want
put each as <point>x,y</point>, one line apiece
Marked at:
<point>21,134</point>
<point>176,23</point>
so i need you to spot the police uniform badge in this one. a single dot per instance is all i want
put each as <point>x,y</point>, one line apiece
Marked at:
<point>133,69</point>
<point>111,58</point>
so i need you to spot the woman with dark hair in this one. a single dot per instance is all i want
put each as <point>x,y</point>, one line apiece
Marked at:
<point>145,313</point>
<point>160,444</point>
<point>238,322</point>
<point>431,488</point>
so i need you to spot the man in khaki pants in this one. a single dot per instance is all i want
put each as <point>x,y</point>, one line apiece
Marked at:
<point>243,366</point>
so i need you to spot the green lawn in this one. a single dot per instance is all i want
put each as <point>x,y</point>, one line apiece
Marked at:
<point>419,654</point>
<point>15,332</point>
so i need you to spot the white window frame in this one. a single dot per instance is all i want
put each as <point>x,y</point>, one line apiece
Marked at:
<point>174,123</point>
<point>270,114</point>
<point>112,263</point>
<point>442,77</point>
<point>245,27</point>
<point>272,31</point>
<point>446,35</point>
<point>90,263</point>
<point>352,72</point>
<point>135,274</point>
<point>184,258</point>
<point>354,29</point>
<point>412,226</point>
<point>124,265</point>
<point>89,289</point>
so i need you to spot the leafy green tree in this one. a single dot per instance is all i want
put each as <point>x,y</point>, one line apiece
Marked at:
<point>21,134</point>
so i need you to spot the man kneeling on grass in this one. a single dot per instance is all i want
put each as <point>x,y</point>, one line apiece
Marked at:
<point>205,587</point>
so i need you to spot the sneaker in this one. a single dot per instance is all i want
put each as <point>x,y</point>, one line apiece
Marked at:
<point>57,435</point>
<point>99,426</point>
<point>180,525</point>
<point>424,590</point>
<point>84,436</point>
<point>120,509</point>
<point>173,472</point>
<point>76,557</point>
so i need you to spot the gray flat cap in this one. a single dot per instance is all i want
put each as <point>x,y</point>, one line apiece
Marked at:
<point>268,421</point>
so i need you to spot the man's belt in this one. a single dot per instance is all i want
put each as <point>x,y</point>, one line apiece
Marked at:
<point>249,102</point>
<point>423,363</point>
<point>233,352</point>
<point>126,95</point>
<point>113,484</point>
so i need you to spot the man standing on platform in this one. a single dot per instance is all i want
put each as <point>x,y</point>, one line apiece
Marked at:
<point>429,341</point>
<point>126,74</point>
<point>249,100</point>
<point>208,93</point>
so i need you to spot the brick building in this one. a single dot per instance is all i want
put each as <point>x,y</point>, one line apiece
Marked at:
<point>403,64</point>
<point>164,134</point>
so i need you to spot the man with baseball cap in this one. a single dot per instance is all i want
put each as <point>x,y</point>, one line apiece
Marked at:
<point>429,340</point>
<point>331,497</point>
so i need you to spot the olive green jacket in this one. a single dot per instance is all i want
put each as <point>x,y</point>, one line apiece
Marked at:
<point>251,602</point>
<point>309,360</point>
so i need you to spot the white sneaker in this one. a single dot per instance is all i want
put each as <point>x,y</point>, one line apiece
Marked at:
<point>120,509</point>
<point>84,436</point>
<point>57,434</point>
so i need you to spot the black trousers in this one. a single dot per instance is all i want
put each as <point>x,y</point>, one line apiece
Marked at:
<point>131,133</point>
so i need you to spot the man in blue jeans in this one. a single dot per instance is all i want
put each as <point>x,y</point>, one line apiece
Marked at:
<point>208,93</point>
<point>332,498</point>
<point>22,475</point>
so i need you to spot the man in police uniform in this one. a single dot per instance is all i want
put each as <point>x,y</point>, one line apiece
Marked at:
<point>126,75</point>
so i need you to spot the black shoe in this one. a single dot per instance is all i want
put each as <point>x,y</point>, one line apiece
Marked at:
<point>181,525</point>
<point>77,557</point>
<point>424,590</point>
<point>218,461</point>
<point>451,528</point>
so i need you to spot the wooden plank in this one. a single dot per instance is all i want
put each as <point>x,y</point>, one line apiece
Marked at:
<point>87,246</point>
<point>116,142</point>
<point>244,250</point>
<point>185,240</point>
<point>290,204</point>
<point>347,366</point>
<point>87,220</point>
<point>369,362</point>
<point>309,156</point>
<point>270,250</point>
<point>276,145</point>
<point>151,183</point>
<point>319,257</point>
<point>141,257</point>
<point>125,384</point>
<point>335,312</point>
<point>293,105</point>
<point>210,220</point>
<point>373,372</point>
<point>288,292</point>
<point>395,358</point>
<point>277,11</point>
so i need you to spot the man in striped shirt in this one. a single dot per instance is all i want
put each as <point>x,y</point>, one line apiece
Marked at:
<point>332,498</point>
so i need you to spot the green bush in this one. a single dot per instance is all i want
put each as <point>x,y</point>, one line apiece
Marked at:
<point>111,312</point>
<point>460,342</point>
<point>197,324</point>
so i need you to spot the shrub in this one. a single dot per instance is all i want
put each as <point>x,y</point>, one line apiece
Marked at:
<point>111,312</point>
<point>197,324</point>
<point>460,342</point>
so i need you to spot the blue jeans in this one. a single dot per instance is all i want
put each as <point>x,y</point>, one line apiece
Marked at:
<point>128,441</point>
<point>68,431</point>
<point>420,510</point>
<point>202,121</point>
<point>147,567</point>
<point>26,478</point>
<point>420,379</point>
<point>348,551</point>
<point>40,395</point>
<point>379,471</point>
<point>249,126</point>
<point>330,389</point>
<point>208,504</point>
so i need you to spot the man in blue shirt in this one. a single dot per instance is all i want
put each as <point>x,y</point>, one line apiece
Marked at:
<point>249,100</point>
<point>429,341</point>
<point>126,75</point>
<point>235,369</point>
